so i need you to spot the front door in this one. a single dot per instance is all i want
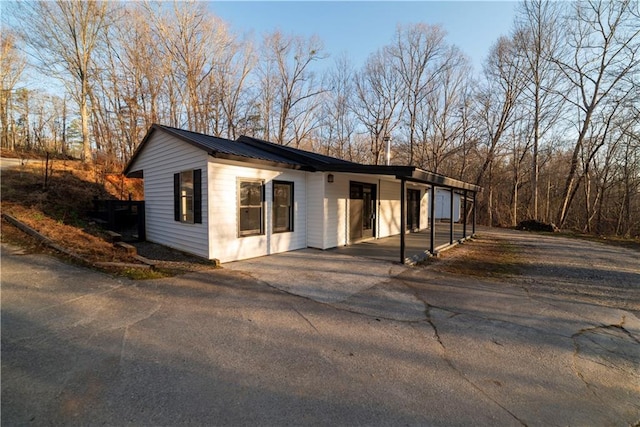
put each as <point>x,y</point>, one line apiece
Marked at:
<point>413,209</point>
<point>362,211</point>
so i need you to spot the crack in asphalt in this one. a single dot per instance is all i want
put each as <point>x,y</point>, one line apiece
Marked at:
<point>305,319</point>
<point>581,333</point>
<point>592,389</point>
<point>429,320</point>
<point>339,305</point>
<point>577,355</point>
<point>618,326</point>
<point>72,300</point>
<point>577,372</point>
<point>460,373</point>
<point>455,313</point>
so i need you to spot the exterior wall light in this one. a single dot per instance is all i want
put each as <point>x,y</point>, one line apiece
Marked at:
<point>330,177</point>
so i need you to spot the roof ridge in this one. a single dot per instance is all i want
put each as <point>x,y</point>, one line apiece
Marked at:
<point>275,149</point>
<point>296,154</point>
<point>175,129</point>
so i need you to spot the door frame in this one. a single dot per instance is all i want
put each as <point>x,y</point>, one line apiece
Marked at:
<point>415,211</point>
<point>373,211</point>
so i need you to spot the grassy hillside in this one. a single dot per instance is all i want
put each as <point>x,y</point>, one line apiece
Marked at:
<point>55,201</point>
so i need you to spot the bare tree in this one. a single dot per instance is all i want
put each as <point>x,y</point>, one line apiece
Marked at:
<point>599,64</point>
<point>289,89</point>
<point>233,67</point>
<point>444,109</point>
<point>12,65</point>
<point>629,175</point>
<point>468,137</point>
<point>138,73</point>
<point>338,123</point>
<point>378,96</point>
<point>520,146</point>
<point>190,36</point>
<point>64,37</point>
<point>496,105</point>
<point>498,97</point>
<point>537,39</point>
<point>420,55</point>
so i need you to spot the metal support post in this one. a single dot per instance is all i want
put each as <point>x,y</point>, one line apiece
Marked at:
<point>451,216</point>
<point>403,219</point>
<point>475,206</point>
<point>432,219</point>
<point>464,221</point>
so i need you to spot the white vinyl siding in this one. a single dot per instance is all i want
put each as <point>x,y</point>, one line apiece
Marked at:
<point>161,158</point>
<point>389,208</point>
<point>335,206</point>
<point>316,183</point>
<point>224,243</point>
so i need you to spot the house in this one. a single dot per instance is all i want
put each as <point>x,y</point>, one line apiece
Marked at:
<point>443,205</point>
<point>232,200</point>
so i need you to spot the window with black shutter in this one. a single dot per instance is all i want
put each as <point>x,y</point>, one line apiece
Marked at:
<point>187,195</point>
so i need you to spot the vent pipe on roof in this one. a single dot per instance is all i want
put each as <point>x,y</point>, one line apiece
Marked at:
<point>387,140</point>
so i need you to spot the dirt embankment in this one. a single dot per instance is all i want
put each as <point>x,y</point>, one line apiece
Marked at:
<point>55,199</point>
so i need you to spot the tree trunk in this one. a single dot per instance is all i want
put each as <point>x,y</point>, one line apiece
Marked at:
<point>587,202</point>
<point>84,118</point>
<point>570,183</point>
<point>514,206</point>
<point>534,161</point>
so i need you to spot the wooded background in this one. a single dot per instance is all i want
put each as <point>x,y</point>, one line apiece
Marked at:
<point>550,128</point>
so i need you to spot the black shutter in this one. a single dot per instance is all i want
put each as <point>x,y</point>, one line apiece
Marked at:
<point>197,196</point>
<point>176,196</point>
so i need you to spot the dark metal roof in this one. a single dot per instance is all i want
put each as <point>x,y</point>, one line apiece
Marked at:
<point>408,173</point>
<point>257,151</point>
<point>218,147</point>
<point>307,157</point>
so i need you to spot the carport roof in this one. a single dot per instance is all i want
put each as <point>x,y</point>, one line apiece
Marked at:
<point>408,173</point>
<point>253,150</point>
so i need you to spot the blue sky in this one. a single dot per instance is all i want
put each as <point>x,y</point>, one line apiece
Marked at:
<point>360,27</point>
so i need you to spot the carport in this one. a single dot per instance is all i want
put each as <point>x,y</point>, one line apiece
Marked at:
<point>408,246</point>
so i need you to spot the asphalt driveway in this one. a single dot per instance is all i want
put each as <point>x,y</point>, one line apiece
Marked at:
<point>7,163</point>
<point>335,341</point>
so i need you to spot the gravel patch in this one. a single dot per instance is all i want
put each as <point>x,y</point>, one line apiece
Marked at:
<point>168,258</point>
<point>584,271</point>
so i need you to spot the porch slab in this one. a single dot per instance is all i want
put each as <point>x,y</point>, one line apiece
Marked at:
<point>388,248</point>
<point>359,276</point>
<point>362,285</point>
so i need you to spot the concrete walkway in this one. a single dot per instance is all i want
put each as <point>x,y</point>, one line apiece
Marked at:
<point>332,277</point>
<point>321,338</point>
